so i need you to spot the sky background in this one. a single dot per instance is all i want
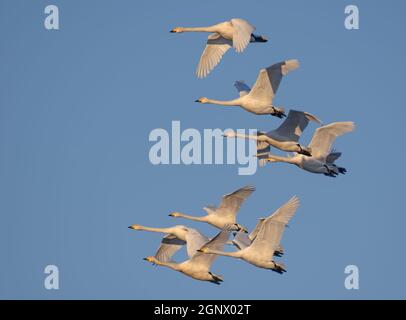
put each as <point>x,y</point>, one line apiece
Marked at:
<point>77,106</point>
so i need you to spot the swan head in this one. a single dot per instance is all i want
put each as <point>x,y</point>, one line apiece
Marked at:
<point>176,30</point>
<point>202,100</point>
<point>135,227</point>
<point>175,214</point>
<point>150,259</point>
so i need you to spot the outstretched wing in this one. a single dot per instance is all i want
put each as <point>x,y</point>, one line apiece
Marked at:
<point>242,88</point>
<point>268,80</point>
<point>270,233</point>
<point>254,232</point>
<point>292,128</point>
<point>217,243</point>
<point>325,136</point>
<point>169,246</point>
<point>241,240</point>
<point>216,47</point>
<point>194,241</point>
<point>231,203</point>
<point>242,34</point>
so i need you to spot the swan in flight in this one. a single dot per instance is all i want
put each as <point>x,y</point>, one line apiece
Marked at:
<point>262,249</point>
<point>175,238</point>
<point>198,265</point>
<point>322,159</point>
<point>242,240</point>
<point>258,100</point>
<point>236,33</point>
<point>226,213</point>
<point>285,137</point>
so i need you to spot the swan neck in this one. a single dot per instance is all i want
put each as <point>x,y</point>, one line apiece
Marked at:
<point>171,265</point>
<point>235,254</point>
<point>199,29</point>
<point>235,102</point>
<point>199,219</point>
<point>161,230</point>
<point>282,159</point>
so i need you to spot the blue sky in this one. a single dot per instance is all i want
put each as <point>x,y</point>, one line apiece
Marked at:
<point>77,106</point>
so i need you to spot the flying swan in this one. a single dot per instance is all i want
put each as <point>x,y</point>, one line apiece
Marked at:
<point>198,265</point>
<point>258,100</point>
<point>235,33</point>
<point>261,251</point>
<point>285,137</point>
<point>226,213</point>
<point>321,159</point>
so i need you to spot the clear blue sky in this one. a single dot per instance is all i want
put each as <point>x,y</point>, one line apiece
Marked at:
<point>77,106</point>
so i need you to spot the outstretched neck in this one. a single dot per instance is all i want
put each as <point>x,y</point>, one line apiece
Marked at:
<point>199,29</point>
<point>235,102</point>
<point>262,137</point>
<point>199,219</point>
<point>275,158</point>
<point>171,265</point>
<point>234,254</point>
<point>161,230</point>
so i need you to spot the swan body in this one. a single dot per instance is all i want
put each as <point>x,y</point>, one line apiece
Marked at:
<point>322,159</point>
<point>242,240</point>
<point>285,137</point>
<point>236,33</point>
<point>226,213</point>
<point>259,99</point>
<point>198,265</point>
<point>262,249</point>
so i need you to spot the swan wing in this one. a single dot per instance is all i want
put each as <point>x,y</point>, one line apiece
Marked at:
<point>217,243</point>
<point>231,203</point>
<point>241,240</point>
<point>242,34</point>
<point>271,231</point>
<point>325,136</point>
<point>242,88</point>
<point>194,241</point>
<point>292,128</point>
<point>268,80</point>
<point>216,47</point>
<point>169,246</point>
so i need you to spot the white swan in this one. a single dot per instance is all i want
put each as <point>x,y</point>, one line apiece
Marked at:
<point>198,265</point>
<point>258,100</point>
<point>235,33</point>
<point>285,137</point>
<point>175,238</point>
<point>260,252</point>
<point>225,214</point>
<point>242,240</point>
<point>322,159</point>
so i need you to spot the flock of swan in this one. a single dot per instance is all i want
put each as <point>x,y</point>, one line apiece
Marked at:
<point>256,248</point>
<point>261,245</point>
